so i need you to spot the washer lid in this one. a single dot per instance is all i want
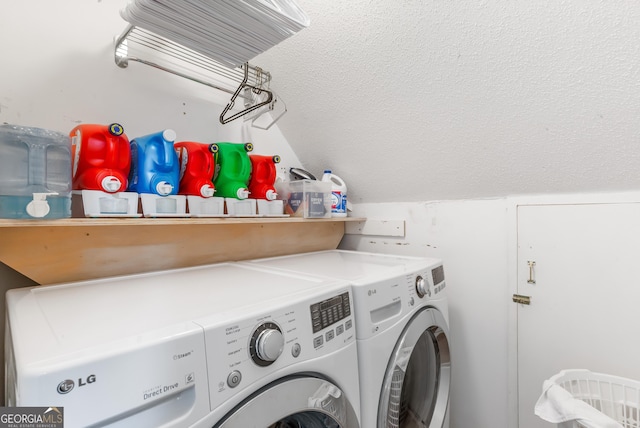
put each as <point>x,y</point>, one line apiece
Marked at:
<point>76,316</point>
<point>355,266</point>
<point>297,401</point>
<point>415,390</point>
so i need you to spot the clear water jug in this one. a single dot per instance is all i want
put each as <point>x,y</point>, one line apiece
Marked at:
<point>35,173</point>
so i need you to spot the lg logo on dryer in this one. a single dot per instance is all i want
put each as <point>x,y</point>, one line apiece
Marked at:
<point>66,386</point>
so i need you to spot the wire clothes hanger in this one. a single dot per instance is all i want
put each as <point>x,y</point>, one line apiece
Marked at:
<point>245,86</point>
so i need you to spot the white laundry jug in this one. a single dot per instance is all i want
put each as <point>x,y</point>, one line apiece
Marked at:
<point>338,194</point>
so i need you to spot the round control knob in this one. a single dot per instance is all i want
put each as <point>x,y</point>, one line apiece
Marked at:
<point>422,288</point>
<point>266,344</point>
<point>269,345</point>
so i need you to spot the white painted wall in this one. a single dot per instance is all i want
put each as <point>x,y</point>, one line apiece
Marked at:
<point>471,238</point>
<point>422,100</point>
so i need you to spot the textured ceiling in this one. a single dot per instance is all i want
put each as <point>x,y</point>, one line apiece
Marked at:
<point>423,100</point>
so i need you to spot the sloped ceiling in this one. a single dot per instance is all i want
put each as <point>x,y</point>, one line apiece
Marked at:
<point>422,100</point>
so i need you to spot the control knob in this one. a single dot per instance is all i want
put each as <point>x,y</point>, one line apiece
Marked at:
<point>422,286</point>
<point>266,344</point>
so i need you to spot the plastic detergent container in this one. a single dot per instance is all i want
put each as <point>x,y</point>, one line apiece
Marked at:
<point>154,164</point>
<point>35,173</point>
<point>263,177</point>
<point>101,157</point>
<point>197,166</point>
<point>338,194</point>
<point>233,169</point>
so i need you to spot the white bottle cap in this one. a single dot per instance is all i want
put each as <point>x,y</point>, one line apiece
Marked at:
<point>169,135</point>
<point>207,191</point>
<point>271,195</point>
<point>242,193</point>
<point>163,188</point>
<point>111,184</point>
<point>39,207</point>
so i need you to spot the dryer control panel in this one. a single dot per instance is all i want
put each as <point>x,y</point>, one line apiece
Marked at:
<point>381,303</point>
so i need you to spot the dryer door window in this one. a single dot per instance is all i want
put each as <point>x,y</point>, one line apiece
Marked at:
<point>415,391</point>
<point>294,402</point>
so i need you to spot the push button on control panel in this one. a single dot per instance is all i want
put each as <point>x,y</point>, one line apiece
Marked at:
<point>234,379</point>
<point>295,350</point>
<point>329,335</point>
<point>348,324</point>
<point>318,341</point>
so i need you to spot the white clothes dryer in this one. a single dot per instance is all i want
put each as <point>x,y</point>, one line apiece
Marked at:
<point>225,346</point>
<point>402,332</point>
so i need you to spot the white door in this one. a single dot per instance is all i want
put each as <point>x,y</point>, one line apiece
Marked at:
<point>585,302</point>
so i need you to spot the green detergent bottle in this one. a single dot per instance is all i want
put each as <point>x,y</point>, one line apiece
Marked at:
<point>233,169</point>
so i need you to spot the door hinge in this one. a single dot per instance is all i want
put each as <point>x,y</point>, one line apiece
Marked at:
<point>523,300</point>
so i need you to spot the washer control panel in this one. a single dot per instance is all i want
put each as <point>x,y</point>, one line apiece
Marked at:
<point>331,318</point>
<point>244,348</point>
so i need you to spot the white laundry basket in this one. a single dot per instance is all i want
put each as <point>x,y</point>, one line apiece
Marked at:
<point>611,401</point>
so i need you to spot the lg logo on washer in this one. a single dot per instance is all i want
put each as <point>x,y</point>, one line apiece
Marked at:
<point>66,386</point>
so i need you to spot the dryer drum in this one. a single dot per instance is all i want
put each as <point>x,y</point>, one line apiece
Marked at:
<point>416,388</point>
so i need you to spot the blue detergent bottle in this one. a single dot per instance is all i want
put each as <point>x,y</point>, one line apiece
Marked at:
<point>155,167</point>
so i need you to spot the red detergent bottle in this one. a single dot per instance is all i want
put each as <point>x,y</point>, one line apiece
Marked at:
<point>197,166</point>
<point>101,157</point>
<point>263,176</point>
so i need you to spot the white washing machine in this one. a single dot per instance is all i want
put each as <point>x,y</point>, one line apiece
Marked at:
<point>402,332</point>
<point>224,346</point>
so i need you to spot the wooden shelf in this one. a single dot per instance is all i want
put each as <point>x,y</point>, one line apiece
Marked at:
<point>54,251</point>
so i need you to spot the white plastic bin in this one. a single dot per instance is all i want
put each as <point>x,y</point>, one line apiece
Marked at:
<point>583,399</point>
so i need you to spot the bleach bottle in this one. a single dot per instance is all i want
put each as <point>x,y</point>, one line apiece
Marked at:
<point>338,194</point>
